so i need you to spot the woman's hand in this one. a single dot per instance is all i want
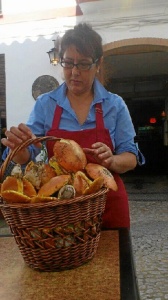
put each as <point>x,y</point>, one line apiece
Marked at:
<point>119,163</point>
<point>16,136</point>
<point>102,154</point>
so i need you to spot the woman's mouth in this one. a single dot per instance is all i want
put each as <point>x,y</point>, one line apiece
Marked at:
<point>74,81</point>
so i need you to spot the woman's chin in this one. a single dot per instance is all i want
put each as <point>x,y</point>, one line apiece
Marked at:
<point>76,90</point>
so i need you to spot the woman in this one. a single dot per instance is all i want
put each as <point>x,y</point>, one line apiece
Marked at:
<point>83,110</point>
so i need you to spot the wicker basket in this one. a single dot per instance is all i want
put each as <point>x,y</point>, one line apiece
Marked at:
<point>57,235</point>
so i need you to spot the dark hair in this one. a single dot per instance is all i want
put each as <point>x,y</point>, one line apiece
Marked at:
<point>86,40</point>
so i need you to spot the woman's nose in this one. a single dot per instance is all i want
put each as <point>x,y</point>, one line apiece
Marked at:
<point>75,70</point>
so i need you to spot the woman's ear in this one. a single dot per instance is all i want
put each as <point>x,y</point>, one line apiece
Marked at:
<point>99,63</point>
<point>99,74</point>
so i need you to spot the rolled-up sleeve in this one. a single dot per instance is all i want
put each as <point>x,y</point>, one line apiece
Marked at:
<point>118,121</point>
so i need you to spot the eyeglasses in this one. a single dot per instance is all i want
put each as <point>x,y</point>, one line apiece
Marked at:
<point>80,66</point>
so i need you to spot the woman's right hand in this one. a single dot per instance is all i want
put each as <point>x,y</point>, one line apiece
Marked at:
<point>16,136</point>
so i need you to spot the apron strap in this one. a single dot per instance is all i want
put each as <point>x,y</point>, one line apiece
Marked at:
<point>99,116</point>
<point>100,136</point>
<point>57,117</point>
<point>99,122</point>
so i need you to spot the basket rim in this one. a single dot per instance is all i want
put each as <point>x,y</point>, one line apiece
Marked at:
<point>54,202</point>
<point>20,147</point>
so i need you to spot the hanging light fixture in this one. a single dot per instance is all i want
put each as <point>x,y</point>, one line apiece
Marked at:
<point>163,115</point>
<point>54,52</point>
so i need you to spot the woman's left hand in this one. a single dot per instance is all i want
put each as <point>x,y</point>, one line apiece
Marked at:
<point>102,154</point>
<point>118,163</point>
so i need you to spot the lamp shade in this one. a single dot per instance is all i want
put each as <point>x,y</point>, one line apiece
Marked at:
<point>53,56</point>
<point>54,52</point>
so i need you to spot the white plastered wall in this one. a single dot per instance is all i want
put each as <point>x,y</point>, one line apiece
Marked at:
<point>24,63</point>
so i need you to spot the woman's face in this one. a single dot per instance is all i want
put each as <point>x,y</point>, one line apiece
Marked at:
<point>78,81</point>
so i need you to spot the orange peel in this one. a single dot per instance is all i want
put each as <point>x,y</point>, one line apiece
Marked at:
<point>28,189</point>
<point>47,173</point>
<point>12,183</point>
<point>69,155</point>
<point>95,186</point>
<point>44,199</point>
<point>95,170</point>
<point>81,182</point>
<point>38,173</point>
<point>33,173</point>
<point>53,185</point>
<point>11,196</point>
<point>54,164</point>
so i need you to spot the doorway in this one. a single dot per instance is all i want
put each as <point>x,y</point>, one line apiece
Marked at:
<point>149,126</point>
<point>136,69</point>
<point>146,101</point>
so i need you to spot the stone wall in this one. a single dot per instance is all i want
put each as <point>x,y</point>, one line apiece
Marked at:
<point>2,87</point>
<point>2,100</point>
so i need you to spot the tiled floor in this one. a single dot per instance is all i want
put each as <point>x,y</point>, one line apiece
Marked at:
<point>4,229</point>
<point>149,230</point>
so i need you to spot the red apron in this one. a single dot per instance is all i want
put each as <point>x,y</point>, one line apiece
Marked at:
<point>116,213</point>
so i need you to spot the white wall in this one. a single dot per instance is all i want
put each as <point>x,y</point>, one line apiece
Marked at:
<point>24,63</point>
<point>19,6</point>
<point>129,31</point>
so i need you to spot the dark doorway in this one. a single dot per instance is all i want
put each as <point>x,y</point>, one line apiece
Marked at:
<point>146,100</point>
<point>149,125</point>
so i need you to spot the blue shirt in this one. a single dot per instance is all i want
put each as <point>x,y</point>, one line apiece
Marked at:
<point>117,118</point>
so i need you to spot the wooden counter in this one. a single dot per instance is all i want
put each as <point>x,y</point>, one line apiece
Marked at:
<point>110,275</point>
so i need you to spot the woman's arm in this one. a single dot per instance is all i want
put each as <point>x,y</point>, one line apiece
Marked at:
<point>118,163</point>
<point>121,163</point>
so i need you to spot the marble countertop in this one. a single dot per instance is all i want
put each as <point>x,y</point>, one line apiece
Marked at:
<point>98,279</point>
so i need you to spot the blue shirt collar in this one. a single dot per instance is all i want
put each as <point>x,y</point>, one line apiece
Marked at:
<point>100,93</point>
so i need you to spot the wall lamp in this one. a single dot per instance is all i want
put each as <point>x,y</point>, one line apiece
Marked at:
<point>54,52</point>
<point>163,115</point>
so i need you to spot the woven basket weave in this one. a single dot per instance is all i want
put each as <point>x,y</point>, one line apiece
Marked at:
<point>56,235</point>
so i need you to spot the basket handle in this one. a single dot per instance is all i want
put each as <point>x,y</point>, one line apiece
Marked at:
<point>20,147</point>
